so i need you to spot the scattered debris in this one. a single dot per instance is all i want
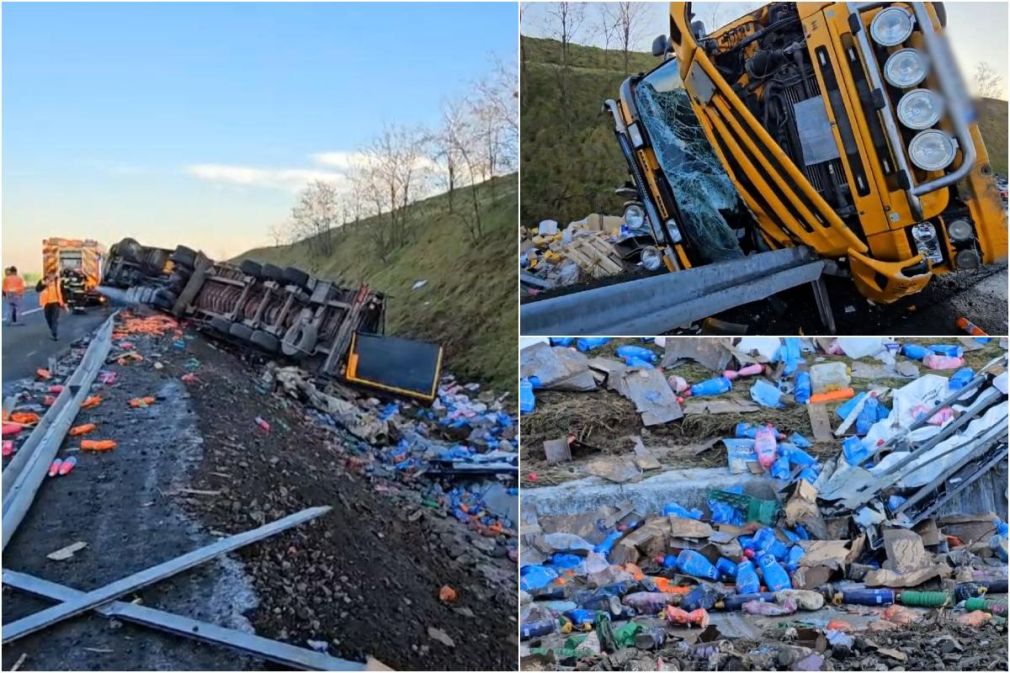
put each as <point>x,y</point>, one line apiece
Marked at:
<point>66,552</point>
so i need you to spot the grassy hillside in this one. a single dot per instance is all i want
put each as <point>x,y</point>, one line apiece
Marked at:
<point>469,301</point>
<point>992,122</point>
<point>570,161</point>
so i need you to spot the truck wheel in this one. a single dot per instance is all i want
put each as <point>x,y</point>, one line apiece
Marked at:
<point>273,272</point>
<point>296,277</point>
<point>184,256</point>
<point>265,340</point>
<point>251,268</point>
<point>240,331</point>
<point>130,250</point>
<point>221,325</point>
<point>299,340</point>
<point>165,299</point>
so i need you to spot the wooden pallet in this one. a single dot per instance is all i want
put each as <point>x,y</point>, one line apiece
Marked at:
<point>594,255</point>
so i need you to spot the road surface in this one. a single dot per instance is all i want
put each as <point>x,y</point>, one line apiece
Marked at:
<point>28,347</point>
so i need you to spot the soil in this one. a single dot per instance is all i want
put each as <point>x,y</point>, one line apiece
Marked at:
<point>363,579</point>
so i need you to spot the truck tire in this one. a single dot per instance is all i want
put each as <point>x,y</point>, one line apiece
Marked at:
<point>165,299</point>
<point>266,341</point>
<point>130,250</point>
<point>221,325</point>
<point>273,272</point>
<point>299,340</point>
<point>295,276</point>
<point>251,268</point>
<point>184,256</point>
<point>240,331</point>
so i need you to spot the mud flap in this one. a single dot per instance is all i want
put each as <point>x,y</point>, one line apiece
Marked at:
<point>394,365</point>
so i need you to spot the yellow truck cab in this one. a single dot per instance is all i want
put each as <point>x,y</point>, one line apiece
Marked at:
<point>842,127</point>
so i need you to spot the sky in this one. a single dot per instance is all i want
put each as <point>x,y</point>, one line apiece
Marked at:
<point>198,123</point>
<point>977,30</point>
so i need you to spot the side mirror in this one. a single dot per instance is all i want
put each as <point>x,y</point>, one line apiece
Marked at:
<point>698,28</point>
<point>660,45</point>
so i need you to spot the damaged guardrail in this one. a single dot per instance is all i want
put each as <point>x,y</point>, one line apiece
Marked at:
<point>27,470</point>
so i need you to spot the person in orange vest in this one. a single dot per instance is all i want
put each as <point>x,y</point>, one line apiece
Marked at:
<point>13,291</point>
<point>51,301</point>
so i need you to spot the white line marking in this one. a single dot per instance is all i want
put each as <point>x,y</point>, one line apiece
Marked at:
<point>34,310</point>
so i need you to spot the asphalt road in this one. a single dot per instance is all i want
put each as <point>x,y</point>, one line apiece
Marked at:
<point>28,347</point>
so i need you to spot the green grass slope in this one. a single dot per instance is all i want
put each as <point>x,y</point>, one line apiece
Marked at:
<point>570,160</point>
<point>469,302</point>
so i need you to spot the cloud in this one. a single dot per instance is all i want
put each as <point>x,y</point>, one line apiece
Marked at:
<point>288,179</point>
<point>342,161</point>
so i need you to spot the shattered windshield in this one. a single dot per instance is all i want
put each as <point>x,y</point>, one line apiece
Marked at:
<point>699,182</point>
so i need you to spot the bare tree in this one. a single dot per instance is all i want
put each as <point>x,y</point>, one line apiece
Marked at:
<point>566,20</point>
<point>605,25</point>
<point>445,148</point>
<point>278,232</point>
<point>987,82</point>
<point>314,216</point>
<point>628,19</point>
<point>397,166</point>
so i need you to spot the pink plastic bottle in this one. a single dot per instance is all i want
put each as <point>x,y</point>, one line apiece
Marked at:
<point>934,361</point>
<point>765,446</point>
<point>749,370</point>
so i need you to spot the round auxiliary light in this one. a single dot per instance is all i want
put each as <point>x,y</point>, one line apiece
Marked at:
<point>919,109</point>
<point>905,68</point>
<point>960,231</point>
<point>634,216</point>
<point>932,150</point>
<point>891,26</point>
<point>651,258</point>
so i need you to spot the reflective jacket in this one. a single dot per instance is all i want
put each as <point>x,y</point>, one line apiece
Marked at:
<point>49,293</point>
<point>14,285</point>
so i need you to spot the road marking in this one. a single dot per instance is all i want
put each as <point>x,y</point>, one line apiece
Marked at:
<point>34,310</point>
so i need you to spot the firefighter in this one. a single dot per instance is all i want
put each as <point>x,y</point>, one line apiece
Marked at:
<point>51,301</point>
<point>13,291</point>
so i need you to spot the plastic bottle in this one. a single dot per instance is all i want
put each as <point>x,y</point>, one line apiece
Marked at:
<point>716,386</point>
<point>725,567</point>
<point>776,578</point>
<point>580,618</point>
<point>780,468</point>
<point>866,597</point>
<point>608,543</point>
<point>527,400</point>
<point>541,627</point>
<point>799,440</point>
<point>638,352</point>
<point>589,343</point>
<point>950,350</point>
<point>765,446</point>
<point>796,455</point>
<point>998,542</point>
<point>746,578</point>
<point>731,603</point>
<point>801,387</point>
<point>676,509</point>
<point>961,378</point>
<point>867,415</point>
<point>638,363</point>
<point>914,351</point>
<point>692,563</point>
<point>68,466</point>
<point>854,451</point>
<point>941,362</point>
<point>263,424</point>
<point>766,542</point>
<point>749,370</point>
<point>793,559</point>
<point>562,341</point>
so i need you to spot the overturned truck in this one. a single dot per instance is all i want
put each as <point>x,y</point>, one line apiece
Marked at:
<point>332,330</point>
<point>843,128</point>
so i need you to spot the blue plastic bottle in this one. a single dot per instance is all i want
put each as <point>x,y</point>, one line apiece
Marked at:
<point>780,468</point>
<point>868,597</point>
<point>692,563</point>
<point>589,343</point>
<point>716,386</point>
<point>745,431</point>
<point>914,351</point>
<point>776,578</point>
<point>527,400</point>
<point>541,627</point>
<point>725,567</point>
<point>765,541</point>
<point>950,350</point>
<point>867,416</point>
<point>562,341</point>
<point>670,561</point>
<point>676,509</point>
<point>797,456</point>
<point>581,618</point>
<point>608,543</point>
<point>638,363</point>
<point>855,452</point>
<point>961,378</point>
<point>793,559</point>
<point>799,440</point>
<point>801,387</point>
<point>747,581</point>
<point>638,352</point>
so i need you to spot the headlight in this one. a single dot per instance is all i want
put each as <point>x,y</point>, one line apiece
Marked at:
<point>891,26</point>
<point>960,231</point>
<point>905,68</point>
<point>919,109</point>
<point>932,150</point>
<point>651,258</point>
<point>634,216</point>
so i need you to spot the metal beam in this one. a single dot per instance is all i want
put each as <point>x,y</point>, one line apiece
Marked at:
<point>241,641</point>
<point>92,599</point>
<point>658,304</point>
<point>24,476</point>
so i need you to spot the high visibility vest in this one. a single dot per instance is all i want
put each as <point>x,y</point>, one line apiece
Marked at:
<point>14,284</point>
<point>51,294</point>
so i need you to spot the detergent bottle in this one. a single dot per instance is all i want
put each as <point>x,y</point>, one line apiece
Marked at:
<point>527,400</point>
<point>961,378</point>
<point>765,446</point>
<point>914,351</point>
<point>746,578</point>
<point>776,578</point>
<point>715,386</point>
<point>692,563</point>
<point>801,387</point>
